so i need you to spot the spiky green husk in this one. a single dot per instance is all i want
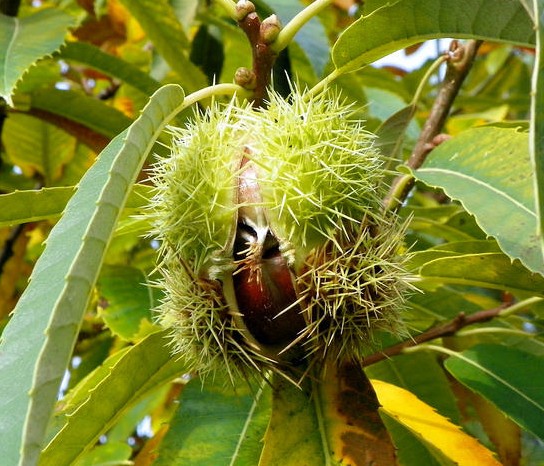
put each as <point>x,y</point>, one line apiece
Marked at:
<point>318,168</point>
<point>353,286</point>
<point>321,184</point>
<point>194,205</point>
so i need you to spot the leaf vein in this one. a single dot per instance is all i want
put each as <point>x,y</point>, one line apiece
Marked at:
<point>482,183</point>
<point>499,379</point>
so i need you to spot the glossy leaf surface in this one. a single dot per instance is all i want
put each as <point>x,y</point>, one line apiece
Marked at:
<point>489,171</point>
<point>217,425</point>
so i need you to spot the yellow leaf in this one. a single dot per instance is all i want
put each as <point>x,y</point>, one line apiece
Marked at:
<point>434,428</point>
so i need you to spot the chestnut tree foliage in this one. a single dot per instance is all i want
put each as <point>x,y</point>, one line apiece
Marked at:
<point>87,375</point>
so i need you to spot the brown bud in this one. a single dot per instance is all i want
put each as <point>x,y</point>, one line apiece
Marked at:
<point>246,78</point>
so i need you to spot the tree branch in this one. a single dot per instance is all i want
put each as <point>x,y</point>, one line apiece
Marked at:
<point>86,135</point>
<point>448,329</point>
<point>460,59</point>
<point>260,36</point>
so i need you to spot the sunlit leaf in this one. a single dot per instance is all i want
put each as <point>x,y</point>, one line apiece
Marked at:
<point>23,41</point>
<point>537,120</point>
<point>489,171</point>
<point>422,375</point>
<point>36,146</point>
<point>435,429</point>
<point>159,21</point>
<point>412,450</point>
<point>452,249</point>
<point>128,300</point>
<point>95,58</point>
<point>293,406</point>
<point>109,393</point>
<point>89,112</point>
<point>110,453</point>
<point>488,270</point>
<point>38,341</point>
<point>336,421</point>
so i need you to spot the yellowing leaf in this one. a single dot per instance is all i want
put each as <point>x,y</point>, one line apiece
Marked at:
<point>355,432</point>
<point>435,429</point>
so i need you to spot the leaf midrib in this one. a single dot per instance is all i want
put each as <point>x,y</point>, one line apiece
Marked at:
<point>498,379</point>
<point>491,188</point>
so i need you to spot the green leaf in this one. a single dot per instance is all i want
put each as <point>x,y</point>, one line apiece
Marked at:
<point>332,419</point>
<point>421,374</point>
<point>217,425</point>
<point>88,111</point>
<point>429,308</point>
<point>158,20</point>
<point>93,57</point>
<point>487,270</point>
<point>30,206</point>
<point>38,341</point>
<point>402,23</point>
<point>489,171</point>
<point>445,222</point>
<point>151,405</point>
<point>537,119</point>
<point>391,133</point>
<point>507,377</point>
<point>24,41</point>
<point>502,431</point>
<point>529,6</point>
<point>451,250</point>
<point>294,407</point>
<point>37,146</point>
<point>105,396</point>
<point>128,300</point>
<point>34,205</point>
